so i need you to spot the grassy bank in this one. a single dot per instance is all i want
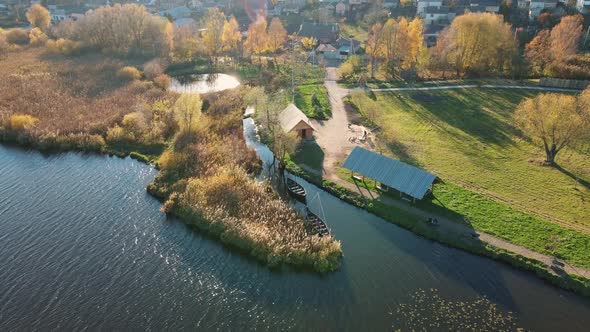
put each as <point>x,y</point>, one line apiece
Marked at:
<point>414,224</point>
<point>467,138</point>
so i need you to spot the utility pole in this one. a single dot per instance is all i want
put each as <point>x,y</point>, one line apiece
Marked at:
<point>586,37</point>
<point>293,68</point>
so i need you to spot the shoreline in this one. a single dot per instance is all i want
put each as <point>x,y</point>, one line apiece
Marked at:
<point>574,283</point>
<point>577,284</point>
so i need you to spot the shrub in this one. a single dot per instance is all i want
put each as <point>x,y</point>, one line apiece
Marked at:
<point>37,37</point>
<point>21,122</point>
<point>117,134</point>
<point>153,69</point>
<point>62,46</point>
<point>129,73</point>
<point>162,81</point>
<point>17,36</point>
<point>134,123</point>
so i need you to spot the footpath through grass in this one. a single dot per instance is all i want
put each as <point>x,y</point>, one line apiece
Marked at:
<point>466,137</point>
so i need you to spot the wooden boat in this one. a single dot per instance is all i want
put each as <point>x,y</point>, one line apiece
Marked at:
<point>317,224</point>
<point>296,191</point>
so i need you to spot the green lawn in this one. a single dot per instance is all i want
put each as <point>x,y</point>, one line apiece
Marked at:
<point>466,137</point>
<point>321,109</point>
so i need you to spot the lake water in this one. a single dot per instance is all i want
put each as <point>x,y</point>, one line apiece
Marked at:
<point>83,246</point>
<point>203,83</point>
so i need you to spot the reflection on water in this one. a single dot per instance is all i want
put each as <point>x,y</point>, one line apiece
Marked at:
<point>203,83</point>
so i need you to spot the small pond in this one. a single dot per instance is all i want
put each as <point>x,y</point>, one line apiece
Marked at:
<point>203,83</point>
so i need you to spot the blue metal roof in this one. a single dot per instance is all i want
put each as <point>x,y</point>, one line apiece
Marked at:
<point>393,173</point>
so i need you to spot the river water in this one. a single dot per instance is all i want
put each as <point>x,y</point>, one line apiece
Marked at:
<point>84,247</point>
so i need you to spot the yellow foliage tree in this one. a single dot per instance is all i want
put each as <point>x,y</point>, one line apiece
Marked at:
<point>257,40</point>
<point>556,120</point>
<point>187,109</point>
<point>213,34</point>
<point>479,41</point>
<point>276,35</point>
<point>231,34</point>
<point>38,16</point>
<point>565,37</point>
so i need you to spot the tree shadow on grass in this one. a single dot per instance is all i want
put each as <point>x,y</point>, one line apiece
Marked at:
<point>311,155</point>
<point>478,113</point>
<point>400,150</point>
<point>579,180</point>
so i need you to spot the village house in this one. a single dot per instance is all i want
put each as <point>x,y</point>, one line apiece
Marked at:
<point>485,6</point>
<point>537,6</point>
<point>328,51</point>
<point>438,15</point>
<point>421,5</point>
<point>341,8</point>
<point>292,119</point>
<point>324,33</point>
<point>583,6</point>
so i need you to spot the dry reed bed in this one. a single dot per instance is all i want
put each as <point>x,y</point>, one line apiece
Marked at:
<point>70,97</point>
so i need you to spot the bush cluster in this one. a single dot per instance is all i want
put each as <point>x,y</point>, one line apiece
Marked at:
<point>63,46</point>
<point>129,73</point>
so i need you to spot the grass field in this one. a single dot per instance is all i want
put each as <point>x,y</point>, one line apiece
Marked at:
<point>304,100</point>
<point>466,137</point>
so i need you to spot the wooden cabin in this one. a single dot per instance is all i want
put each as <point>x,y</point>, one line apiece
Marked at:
<point>293,119</point>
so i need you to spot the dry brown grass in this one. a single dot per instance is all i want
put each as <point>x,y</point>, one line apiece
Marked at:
<point>68,95</point>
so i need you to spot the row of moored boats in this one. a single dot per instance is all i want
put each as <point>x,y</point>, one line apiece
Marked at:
<point>298,192</point>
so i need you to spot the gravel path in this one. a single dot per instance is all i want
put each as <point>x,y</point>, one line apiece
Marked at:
<point>332,135</point>
<point>470,86</point>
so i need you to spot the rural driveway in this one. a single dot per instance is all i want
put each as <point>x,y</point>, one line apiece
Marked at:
<point>333,135</point>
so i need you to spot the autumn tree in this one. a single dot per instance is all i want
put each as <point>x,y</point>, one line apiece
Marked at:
<point>374,47</point>
<point>565,37</point>
<point>480,42</point>
<point>537,51</point>
<point>187,44</point>
<point>550,51</point>
<point>351,68</point>
<point>398,43</point>
<point>187,109</point>
<point>555,120</point>
<point>125,30</point>
<point>232,36</point>
<point>213,34</point>
<point>38,16</point>
<point>276,35</point>
<point>257,40</point>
